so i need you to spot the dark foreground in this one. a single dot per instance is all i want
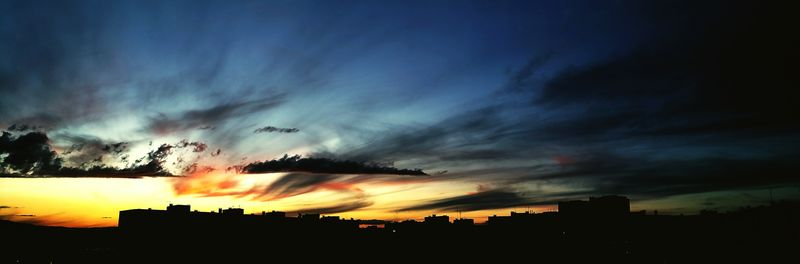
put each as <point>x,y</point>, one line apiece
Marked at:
<point>759,235</point>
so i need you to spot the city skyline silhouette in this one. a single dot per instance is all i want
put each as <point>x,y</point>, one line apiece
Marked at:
<point>619,131</point>
<point>601,228</point>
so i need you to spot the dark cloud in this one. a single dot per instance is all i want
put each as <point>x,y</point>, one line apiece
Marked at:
<point>469,135</point>
<point>210,117</point>
<point>715,78</point>
<point>196,146</point>
<point>491,199</point>
<point>32,154</point>
<point>272,129</point>
<point>297,183</point>
<point>646,178</point>
<point>197,168</point>
<point>524,78</point>
<point>288,185</point>
<point>324,165</point>
<point>118,147</point>
<point>22,127</point>
<point>29,153</point>
<point>151,165</point>
<point>707,104</point>
<point>701,88</point>
<point>155,160</point>
<point>660,178</point>
<point>88,151</point>
<point>339,208</point>
<point>36,122</point>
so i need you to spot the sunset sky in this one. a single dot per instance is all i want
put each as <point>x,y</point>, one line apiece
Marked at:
<point>502,105</point>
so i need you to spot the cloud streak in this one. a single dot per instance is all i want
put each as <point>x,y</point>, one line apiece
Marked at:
<point>324,165</point>
<point>484,200</point>
<point>272,129</point>
<point>210,117</point>
<point>338,208</point>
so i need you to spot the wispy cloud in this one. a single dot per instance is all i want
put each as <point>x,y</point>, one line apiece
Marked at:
<point>209,117</point>
<point>272,129</point>
<point>484,200</point>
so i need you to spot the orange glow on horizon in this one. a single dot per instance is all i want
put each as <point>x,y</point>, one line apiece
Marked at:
<point>96,202</point>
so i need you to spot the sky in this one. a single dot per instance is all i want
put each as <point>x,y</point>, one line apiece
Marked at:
<point>393,109</point>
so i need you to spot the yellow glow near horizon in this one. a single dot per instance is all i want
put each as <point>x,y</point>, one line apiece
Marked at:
<point>94,202</point>
<point>79,201</point>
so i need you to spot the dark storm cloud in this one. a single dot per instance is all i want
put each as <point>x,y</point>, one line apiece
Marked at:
<point>149,165</point>
<point>272,129</point>
<point>490,199</point>
<point>211,116</point>
<point>29,153</point>
<point>324,165</point>
<point>32,154</point>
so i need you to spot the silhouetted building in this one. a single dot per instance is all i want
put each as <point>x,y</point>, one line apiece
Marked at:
<point>637,237</point>
<point>178,208</point>
<point>576,207</point>
<point>524,216</point>
<point>274,215</point>
<point>330,219</point>
<point>498,220</point>
<point>639,213</point>
<point>437,219</point>
<point>464,222</point>
<point>612,205</point>
<point>140,218</point>
<point>309,218</point>
<point>233,211</point>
